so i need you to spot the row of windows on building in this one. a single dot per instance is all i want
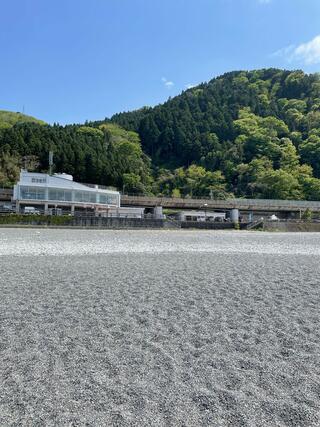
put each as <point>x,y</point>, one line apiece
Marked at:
<point>34,193</point>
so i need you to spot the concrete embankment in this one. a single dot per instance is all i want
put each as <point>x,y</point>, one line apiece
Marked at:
<point>108,223</point>
<point>117,223</point>
<point>79,222</point>
<point>212,225</point>
<point>292,226</point>
<point>146,223</point>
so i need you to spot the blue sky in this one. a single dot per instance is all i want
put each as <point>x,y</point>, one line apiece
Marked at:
<point>70,60</point>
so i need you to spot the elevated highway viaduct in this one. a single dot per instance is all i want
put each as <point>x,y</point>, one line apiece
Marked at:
<point>262,206</point>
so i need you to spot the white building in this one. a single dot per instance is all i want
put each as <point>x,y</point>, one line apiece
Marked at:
<point>60,191</point>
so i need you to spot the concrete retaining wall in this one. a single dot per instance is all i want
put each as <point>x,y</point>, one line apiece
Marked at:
<point>208,225</point>
<point>117,222</point>
<point>292,226</point>
<point>79,222</point>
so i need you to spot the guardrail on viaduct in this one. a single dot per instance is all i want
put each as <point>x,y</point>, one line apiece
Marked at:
<point>262,205</point>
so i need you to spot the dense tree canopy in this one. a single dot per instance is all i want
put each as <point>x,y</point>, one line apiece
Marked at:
<point>103,155</point>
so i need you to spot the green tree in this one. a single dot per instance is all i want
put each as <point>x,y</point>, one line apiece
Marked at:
<point>132,184</point>
<point>9,169</point>
<point>310,153</point>
<point>289,158</point>
<point>280,184</point>
<point>307,215</point>
<point>311,188</point>
<point>176,193</point>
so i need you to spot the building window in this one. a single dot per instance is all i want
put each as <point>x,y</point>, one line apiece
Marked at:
<point>85,197</point>
<point>60,195</point>
<point>32,193</point>
<point>108,199</point>
<point>68,196</point>
<point>93,197</point>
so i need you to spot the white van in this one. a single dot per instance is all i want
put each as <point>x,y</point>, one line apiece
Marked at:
<point>31,210</point>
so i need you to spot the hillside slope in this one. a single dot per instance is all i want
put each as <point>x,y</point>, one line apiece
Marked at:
<point>9,118</point>
<point>257,128</point>
<point>179,129</point>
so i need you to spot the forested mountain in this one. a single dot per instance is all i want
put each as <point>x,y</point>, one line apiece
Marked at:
<point>259,130</point>
<point>244,134</point>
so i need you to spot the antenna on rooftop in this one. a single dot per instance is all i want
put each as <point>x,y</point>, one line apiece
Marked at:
<point>50,162</point>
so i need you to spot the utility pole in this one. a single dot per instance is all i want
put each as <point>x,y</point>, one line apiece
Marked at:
<point>24,158</point>
<point>50,162</point>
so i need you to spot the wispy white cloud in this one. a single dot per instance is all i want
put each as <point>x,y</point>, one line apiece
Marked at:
<point>190,86</point>
<point>168,83</point>
<point>285,52</point>
<point>307,53</point>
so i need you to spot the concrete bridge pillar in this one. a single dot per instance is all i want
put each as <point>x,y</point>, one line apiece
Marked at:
<point>158,212</point>
<point>234,216</point>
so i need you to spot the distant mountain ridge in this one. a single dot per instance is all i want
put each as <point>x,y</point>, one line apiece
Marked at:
<point>178,129</point>
<point>9,118</point>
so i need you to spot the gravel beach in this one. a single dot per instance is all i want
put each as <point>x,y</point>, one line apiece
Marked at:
<point>159,328</point>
